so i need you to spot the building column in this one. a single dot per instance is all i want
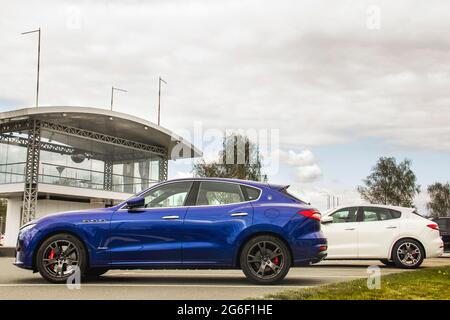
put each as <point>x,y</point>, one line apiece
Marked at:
<point>12,221</point>
<point>30,194</point>
<point>108,175</point>
<point>163,167</point>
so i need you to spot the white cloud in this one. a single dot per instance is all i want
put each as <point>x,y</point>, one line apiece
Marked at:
<point>308,173</point>
<point>304,163</point>
<point>302,158</point>
<point>313,70</point>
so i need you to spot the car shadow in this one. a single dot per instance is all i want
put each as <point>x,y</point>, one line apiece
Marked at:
<point>174,280</point>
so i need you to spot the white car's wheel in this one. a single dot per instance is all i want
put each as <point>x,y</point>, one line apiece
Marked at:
<point>408,254</point>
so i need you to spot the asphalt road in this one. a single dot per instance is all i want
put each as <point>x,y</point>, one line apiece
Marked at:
<point>16,283</point>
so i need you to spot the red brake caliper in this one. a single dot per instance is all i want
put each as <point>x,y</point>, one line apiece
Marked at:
<point>50,256</point>
<point>276,261</point>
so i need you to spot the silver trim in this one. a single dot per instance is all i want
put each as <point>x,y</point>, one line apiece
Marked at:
<point>239,214</point>
<point>171,217</point>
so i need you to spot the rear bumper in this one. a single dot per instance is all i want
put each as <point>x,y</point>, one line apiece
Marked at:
<point>434,248</point>
<point>313,254</point>
<point>320,256</point>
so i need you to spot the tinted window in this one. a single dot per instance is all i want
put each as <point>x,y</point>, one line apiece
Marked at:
<point>168,195</point>
<point>395,214</point>
<point>379,214</point>
<point>217,193</point>
<point>250,193</point>
<point>345,215</point>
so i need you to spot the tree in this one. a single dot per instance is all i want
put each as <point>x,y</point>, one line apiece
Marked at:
<point>239,158</point>
<point>390,183</point>
<point>439,204</point>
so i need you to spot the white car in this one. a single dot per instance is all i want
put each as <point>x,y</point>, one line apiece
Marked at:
<point>394,235</point>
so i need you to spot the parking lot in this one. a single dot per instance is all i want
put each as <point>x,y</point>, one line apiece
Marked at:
<point>182,284</point>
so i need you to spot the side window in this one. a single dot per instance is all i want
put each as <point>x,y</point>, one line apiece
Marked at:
<point>168,195</point>
<point>218,193</point>
<point>379,214</point>
<point>250,193</point>
<point>345,215</point>
<point>395,214</point>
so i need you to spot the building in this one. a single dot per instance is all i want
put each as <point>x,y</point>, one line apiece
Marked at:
<point>55,159</point>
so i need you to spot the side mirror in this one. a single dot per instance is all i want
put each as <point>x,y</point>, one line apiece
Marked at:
<point>135,202</point>
<point>326,219</point>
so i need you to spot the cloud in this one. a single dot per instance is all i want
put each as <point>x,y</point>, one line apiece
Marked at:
<point>304,163</point>
<point>312,69</point>
<point>308,173</point>
<point>302,158</point>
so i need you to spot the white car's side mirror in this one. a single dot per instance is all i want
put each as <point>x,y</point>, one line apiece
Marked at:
<point>326,219</point>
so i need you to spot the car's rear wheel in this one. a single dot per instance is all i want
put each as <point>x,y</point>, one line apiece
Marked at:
<point>265,260</point>
<point>408,254</point>
<point>59,257</point>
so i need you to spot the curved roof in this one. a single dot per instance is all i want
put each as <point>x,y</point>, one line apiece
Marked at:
<point>107,122</point>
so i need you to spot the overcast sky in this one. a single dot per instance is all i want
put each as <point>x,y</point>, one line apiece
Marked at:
<point>344,82</point>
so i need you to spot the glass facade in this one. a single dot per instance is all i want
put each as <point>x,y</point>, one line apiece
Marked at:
<point>81,163</point>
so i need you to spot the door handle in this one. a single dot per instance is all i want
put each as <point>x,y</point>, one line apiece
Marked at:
<point>349,229</point>
<point>239,214</point>
<point>171,217</point>
<point>391,227</point>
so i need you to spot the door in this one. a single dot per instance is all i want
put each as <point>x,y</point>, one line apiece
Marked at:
<point>151,235</point>
<point>342,233</point>
<point>211,226</point>
<point>377,231</point>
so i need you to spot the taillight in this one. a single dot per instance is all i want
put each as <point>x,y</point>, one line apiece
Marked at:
<point>433,226</point>
<point>313,214</point>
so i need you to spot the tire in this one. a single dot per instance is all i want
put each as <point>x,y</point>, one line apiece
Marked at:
<point>388,263</point>
<point>408,254</point>
<point>53,261</point>
<point>94,273</point>
<point>268,250</point>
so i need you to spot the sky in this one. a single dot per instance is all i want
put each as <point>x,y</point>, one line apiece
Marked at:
<point>338,83</point>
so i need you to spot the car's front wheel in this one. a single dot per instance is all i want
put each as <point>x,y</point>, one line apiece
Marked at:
<point>408,254</point>
<point>59,257</point>
<point>265,260</point>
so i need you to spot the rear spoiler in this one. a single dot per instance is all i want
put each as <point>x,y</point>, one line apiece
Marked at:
<point>279,187</point>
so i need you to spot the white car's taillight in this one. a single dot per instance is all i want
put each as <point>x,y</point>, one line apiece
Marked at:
<point>433,226</point>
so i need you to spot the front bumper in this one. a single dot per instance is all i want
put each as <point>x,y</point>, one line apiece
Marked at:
<point>26,243</point>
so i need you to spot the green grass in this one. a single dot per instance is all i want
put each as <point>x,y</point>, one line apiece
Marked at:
<point>429,283</point>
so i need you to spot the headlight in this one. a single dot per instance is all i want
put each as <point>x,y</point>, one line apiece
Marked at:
<point>27,227</point>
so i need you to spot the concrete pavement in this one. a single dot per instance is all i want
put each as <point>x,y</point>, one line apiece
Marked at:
<point>182,284</point>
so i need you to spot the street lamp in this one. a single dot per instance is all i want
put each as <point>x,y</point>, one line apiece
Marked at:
<point>38,61</point>
<point>112,94</point>
<point>159,100</point>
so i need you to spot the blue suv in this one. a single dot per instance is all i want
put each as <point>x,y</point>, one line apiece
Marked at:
<point>186,223</point>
